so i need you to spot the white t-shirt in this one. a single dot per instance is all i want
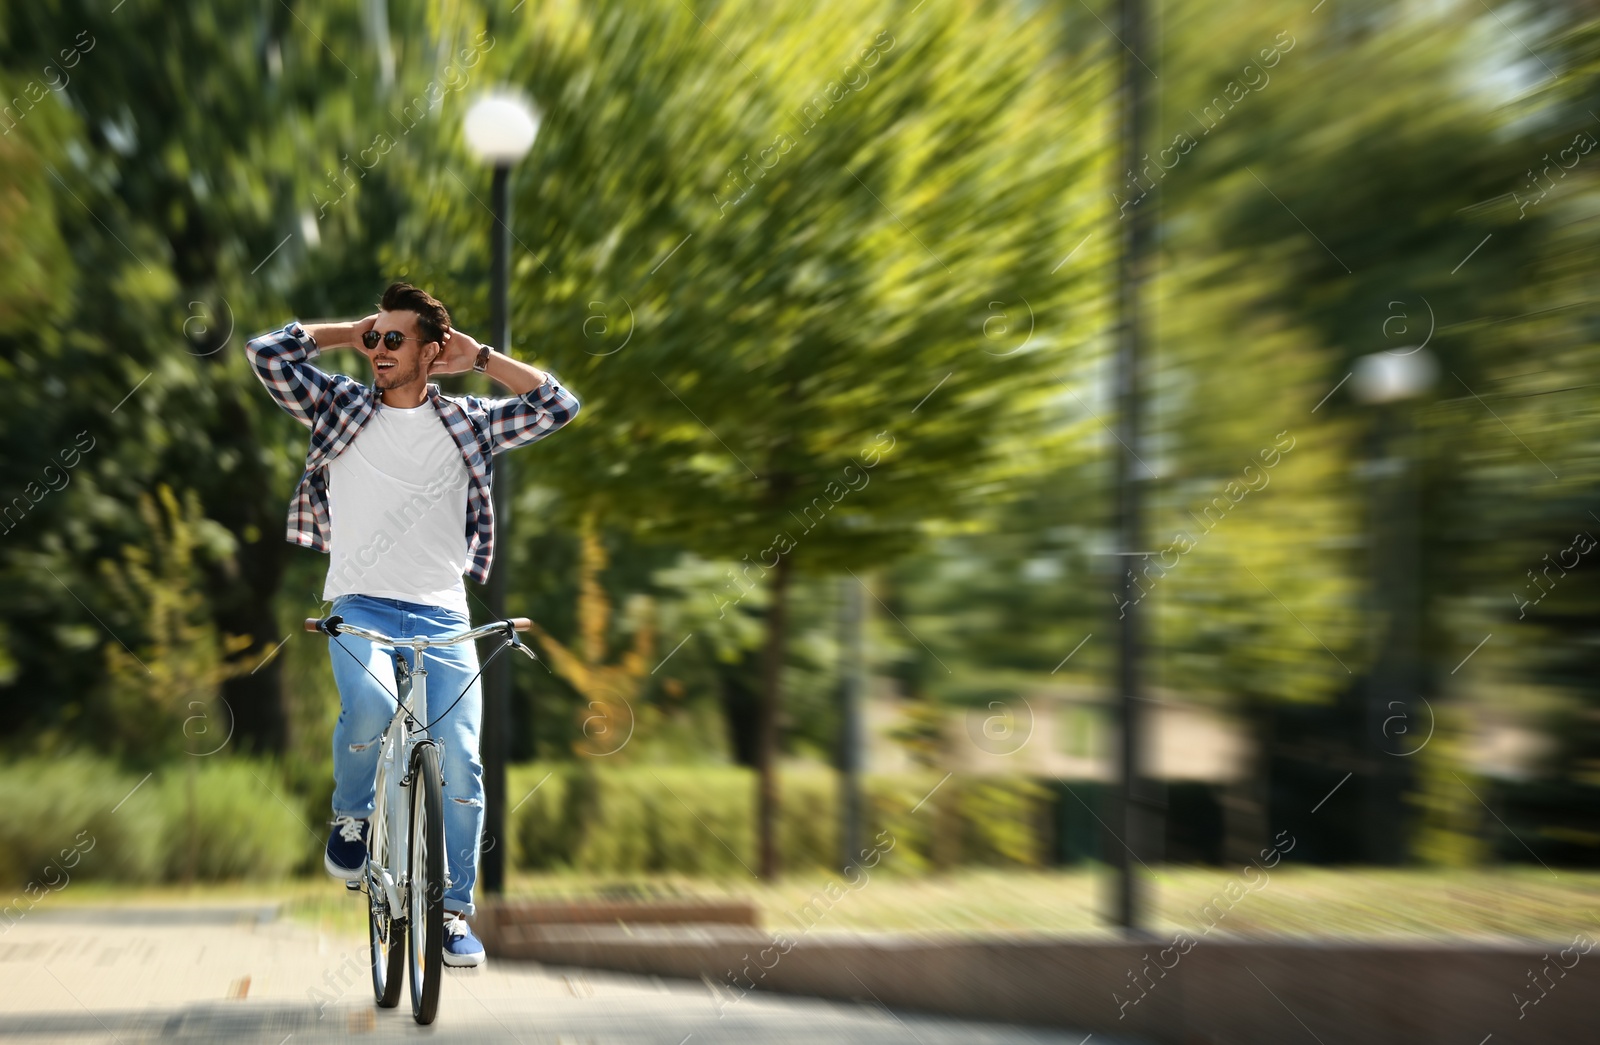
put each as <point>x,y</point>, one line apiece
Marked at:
<point>397,502</point>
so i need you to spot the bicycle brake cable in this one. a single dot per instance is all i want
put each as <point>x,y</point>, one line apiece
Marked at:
<point>379,681</point>
<point>468,687</point>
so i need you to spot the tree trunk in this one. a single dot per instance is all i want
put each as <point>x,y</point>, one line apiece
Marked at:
<point>852,690</point>
<point>740,691</point>
<point>948,830</point>
<point>771,707</point>
<point>255,701</point>
<point>244,599</point>
<point>191,848</point>
<point>1246,802</point>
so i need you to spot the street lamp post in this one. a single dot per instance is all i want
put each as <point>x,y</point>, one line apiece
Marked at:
<point>1387,381</point>
<point>1138,814</point>
<point>500,128</point>
<point>852,678</point>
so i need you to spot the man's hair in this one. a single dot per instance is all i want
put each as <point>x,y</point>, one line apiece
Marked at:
<point>433,319</point>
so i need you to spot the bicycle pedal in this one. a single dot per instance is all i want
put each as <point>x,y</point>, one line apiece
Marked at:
<point>354,887</point>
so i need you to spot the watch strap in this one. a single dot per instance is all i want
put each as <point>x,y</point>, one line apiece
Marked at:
<point>482,363</point>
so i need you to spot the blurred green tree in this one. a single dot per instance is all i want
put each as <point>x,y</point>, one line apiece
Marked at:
<point>804,356</point>
<point>165,702</point>
<point>612,690</point>
<point>186,188</point>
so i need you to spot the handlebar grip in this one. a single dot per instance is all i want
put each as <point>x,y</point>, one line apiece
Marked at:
<point>328,625</point>
<point>521,624</point>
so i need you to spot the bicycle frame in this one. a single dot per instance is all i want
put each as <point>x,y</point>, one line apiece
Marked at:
<point>394,765</point>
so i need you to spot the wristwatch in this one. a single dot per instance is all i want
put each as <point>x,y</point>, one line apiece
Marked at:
<point>484,352</point>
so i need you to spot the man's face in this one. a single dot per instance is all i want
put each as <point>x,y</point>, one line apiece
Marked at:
<point>402,365</point>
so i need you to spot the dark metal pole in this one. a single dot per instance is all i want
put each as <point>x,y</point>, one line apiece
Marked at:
<point>1397,677</point>
<point>497,676</point>
<point>851,682</point>
<point>1137,818</point>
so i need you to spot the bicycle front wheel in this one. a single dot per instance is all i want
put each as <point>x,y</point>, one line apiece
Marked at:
<point>426,867</point>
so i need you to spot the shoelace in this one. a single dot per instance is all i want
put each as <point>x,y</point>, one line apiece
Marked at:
<point>456,926</point>
<point>350,829</point>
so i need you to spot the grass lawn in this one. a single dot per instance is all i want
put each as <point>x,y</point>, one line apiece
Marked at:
<point>1496,903</point>
<point>1501,903</point>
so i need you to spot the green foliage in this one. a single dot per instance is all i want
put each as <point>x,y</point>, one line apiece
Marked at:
<point>1003,820</point>
<point>45,803</point>
<point>544,825</point>
<point>610,718</point>
<point>35,271</point>
<point>699,820</point>
<point>162,699</point>
<point>204,819</point>
<point>806,320</point>
<point>924,734</point>
<point>1449,830</point>
<point>140,200</point>
<point>155,212</point>
<point>223,820</point>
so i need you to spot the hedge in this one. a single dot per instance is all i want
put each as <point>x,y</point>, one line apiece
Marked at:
<point>700,820</point>
<point>214,819</point>
<point>82,818</point>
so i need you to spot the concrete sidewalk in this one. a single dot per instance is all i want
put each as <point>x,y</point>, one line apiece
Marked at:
<point>191,974</point>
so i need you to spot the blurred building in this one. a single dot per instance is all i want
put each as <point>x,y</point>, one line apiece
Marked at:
<point>1063,735</point>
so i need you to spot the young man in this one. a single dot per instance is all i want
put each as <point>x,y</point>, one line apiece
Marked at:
<point>396,490</point>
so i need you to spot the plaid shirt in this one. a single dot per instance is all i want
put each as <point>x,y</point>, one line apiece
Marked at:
<point>336,407</point>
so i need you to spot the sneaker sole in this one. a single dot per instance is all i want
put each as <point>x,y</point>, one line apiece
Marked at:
<point>347,874</point>
<point>464,961</point>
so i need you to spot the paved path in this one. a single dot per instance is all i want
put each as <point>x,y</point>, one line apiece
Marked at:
<point>243,975</point>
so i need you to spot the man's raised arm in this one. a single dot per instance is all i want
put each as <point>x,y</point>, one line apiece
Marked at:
<point>540,405</point>
<point>282,360</point>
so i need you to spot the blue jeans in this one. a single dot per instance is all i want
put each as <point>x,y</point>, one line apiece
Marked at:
<point>364,672</point>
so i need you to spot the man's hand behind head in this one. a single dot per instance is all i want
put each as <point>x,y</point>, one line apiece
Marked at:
<point>459,355</point>
<point>359,328</point>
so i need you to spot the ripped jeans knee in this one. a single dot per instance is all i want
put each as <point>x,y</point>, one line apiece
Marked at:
<point>359,747</point>
<point>355,771</point>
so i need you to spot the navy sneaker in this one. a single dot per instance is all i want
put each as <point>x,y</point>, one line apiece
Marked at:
<point>346,856</point>
<point>461,948</point>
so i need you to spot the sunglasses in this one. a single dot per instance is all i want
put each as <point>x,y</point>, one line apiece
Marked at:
<point>392,340</point>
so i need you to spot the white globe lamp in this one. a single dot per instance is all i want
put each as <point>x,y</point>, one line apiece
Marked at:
<point>500,127</point>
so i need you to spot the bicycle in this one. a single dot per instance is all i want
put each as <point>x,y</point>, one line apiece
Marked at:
<point>404,877</point>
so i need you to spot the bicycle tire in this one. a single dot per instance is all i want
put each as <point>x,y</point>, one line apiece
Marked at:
<point>425,898</point>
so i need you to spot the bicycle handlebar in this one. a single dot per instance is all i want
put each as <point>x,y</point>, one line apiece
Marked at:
<point>335,625</point>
